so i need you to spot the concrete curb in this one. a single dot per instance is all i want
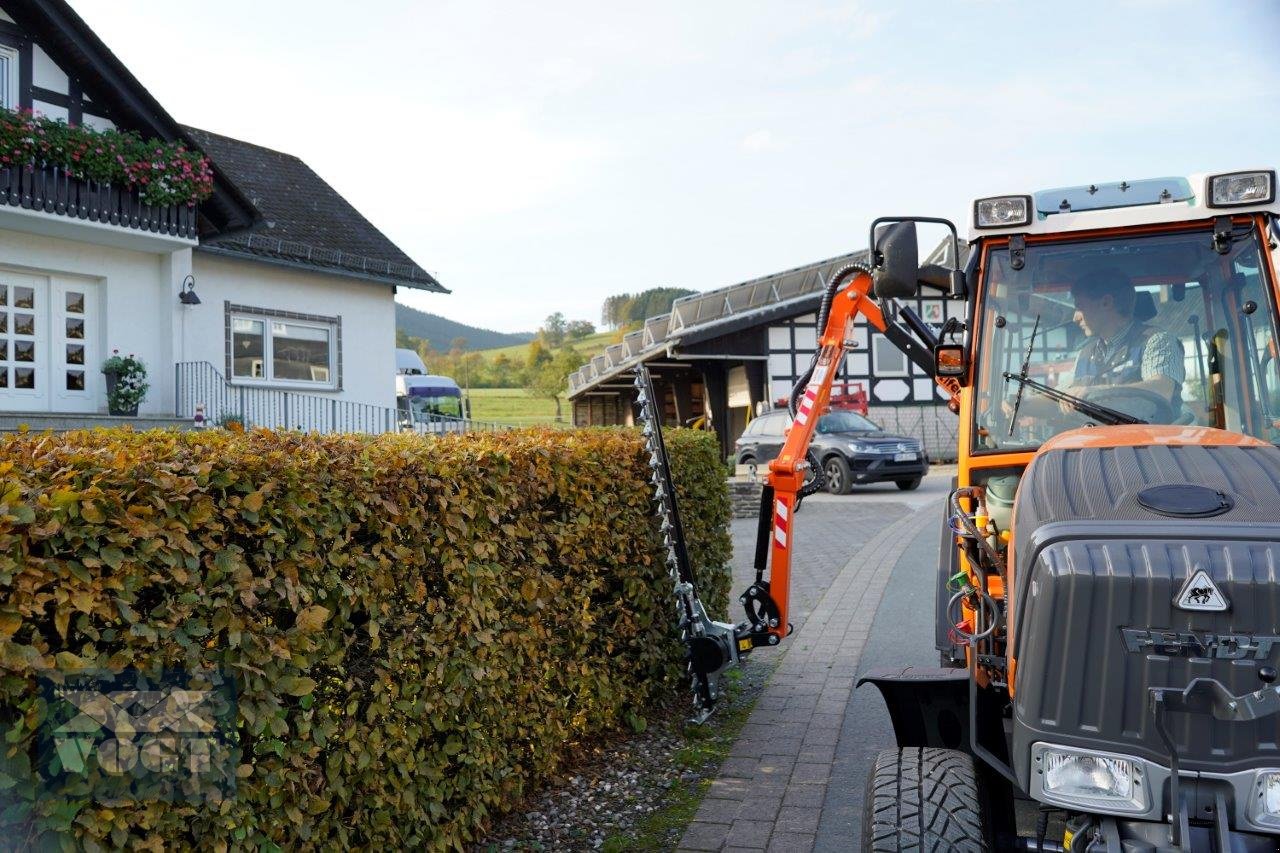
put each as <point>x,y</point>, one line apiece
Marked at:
<point>769,793</point>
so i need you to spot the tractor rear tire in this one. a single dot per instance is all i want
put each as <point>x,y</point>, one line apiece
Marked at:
<point>923,799</point>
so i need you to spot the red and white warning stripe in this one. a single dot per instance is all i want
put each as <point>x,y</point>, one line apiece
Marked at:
<point>781,523</point>
<point>806,405</point>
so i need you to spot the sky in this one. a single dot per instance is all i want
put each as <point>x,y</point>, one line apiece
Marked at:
<point>539,157</point>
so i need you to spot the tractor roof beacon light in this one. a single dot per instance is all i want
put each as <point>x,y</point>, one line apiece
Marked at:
<point>1238,189</point>
<point>1006,211</point>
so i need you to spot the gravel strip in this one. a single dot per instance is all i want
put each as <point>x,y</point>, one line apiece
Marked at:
<point>610,787</point>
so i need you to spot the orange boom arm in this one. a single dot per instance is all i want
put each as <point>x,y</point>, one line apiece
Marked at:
<point>767,601</point>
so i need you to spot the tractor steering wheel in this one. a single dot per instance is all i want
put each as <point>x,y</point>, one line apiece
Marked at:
<point>1139,402</point>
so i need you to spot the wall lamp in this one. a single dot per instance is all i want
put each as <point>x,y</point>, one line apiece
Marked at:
<point>187,294</point>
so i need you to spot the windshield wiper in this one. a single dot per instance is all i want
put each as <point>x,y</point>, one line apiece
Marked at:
<point>1094,411</point>
<point>1026,363</point>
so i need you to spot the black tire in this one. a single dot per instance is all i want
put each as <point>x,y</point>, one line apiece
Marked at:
<point>839,481</point>
<point>923,799</point>
<point>909,485</point>
<point>748,460</point>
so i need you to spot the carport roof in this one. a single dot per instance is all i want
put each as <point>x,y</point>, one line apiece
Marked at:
<point>715,313</point>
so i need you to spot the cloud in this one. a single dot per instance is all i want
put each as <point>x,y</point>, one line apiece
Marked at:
<point>759,140</point>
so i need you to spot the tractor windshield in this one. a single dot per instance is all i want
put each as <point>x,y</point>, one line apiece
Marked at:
<point>1162,329</point>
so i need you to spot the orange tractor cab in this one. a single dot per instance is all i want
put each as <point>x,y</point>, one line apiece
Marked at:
<point>1108,595</point>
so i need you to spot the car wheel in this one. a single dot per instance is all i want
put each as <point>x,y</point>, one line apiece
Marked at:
<point>838,480</point>
<point>909,485</point>
<point>750,462</point>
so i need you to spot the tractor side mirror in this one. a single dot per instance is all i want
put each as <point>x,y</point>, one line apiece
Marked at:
<point>897,259</point>
<point>949,360</point>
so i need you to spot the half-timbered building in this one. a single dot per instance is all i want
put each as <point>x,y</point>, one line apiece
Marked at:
<point>721,357</point>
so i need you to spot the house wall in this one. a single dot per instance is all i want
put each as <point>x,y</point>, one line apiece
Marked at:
<point>884,370</point>
<point>366,311</point>
<point>135,298</point>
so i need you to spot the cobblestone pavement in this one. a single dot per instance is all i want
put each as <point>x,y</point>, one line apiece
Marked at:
<point>770,792</point>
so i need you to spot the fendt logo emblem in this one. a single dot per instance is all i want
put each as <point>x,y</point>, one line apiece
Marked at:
<point>1201,593</point>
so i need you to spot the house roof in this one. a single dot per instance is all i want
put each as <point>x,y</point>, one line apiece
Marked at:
<point>77,49</point>
<point>307,223</point>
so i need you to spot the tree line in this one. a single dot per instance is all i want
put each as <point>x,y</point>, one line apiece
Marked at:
<point>627,309</point>
<point>543,368</point>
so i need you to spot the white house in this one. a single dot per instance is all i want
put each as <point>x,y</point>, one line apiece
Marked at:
<point>272,300</point>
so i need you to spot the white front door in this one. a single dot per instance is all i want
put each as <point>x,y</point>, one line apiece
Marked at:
<point>49,355</point>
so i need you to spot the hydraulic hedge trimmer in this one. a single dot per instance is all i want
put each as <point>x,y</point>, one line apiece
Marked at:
<point>714,647</point>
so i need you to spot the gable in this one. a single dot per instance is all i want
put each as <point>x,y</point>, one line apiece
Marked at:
<point>44,86</point>
<point>65,71</point>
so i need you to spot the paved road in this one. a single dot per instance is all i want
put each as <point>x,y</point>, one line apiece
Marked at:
<point>861,597</point>
<point>901,634</point>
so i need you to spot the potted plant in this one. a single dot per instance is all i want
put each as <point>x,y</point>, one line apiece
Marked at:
<point>126,383</point>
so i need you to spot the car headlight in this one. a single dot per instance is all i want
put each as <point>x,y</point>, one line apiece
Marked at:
<point>1264,806</point>
<point>857,447</point>
<point>1091,780</point>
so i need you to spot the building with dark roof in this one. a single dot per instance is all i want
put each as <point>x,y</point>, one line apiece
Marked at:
<point>723,356</point>
<point>306,223</point>
<point>271,300</point>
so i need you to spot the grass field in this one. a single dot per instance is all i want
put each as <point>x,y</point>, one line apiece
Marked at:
<point>515,406</point>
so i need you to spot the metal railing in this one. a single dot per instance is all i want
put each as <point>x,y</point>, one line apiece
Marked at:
<point>199,383</point>
<point>695,310</point>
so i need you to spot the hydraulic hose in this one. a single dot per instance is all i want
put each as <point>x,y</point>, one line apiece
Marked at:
<point>819,480</point>
<point>957,512</point>
<point>824,310</point>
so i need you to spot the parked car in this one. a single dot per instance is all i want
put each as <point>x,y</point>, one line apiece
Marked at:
<point>852,450</point>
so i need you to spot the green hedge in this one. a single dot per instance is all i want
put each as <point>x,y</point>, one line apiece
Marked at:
<point>416,628</point>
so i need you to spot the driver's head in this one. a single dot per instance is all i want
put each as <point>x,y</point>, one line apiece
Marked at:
<point>1104,301</point>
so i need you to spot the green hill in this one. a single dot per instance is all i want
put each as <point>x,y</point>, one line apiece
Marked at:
<point>441,332</point>
<point>588,346</point>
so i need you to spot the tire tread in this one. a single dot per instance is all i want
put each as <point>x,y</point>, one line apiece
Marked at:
<point>922,799</point>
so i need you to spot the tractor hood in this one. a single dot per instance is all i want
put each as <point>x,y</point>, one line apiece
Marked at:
<point>1145,558</point>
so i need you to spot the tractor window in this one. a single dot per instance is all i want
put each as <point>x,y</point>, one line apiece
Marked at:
<point>1159,327</point>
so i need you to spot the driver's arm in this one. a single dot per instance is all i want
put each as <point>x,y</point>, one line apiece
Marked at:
<point>1163,367</point>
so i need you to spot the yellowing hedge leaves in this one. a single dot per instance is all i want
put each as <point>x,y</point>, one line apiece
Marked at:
<point>416,627</point>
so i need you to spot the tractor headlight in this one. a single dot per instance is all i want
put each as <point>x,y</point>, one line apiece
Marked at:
<point>1006,211</point>
<point>1091,780</point>
<point>1264,806</point>
<point>1240,188</point>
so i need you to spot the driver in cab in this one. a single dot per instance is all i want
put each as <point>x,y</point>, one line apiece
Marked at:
<point>1121,351</point>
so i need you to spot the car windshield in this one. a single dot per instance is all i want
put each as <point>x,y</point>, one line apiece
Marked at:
<point>845,422</point>
<point>1162,328</point>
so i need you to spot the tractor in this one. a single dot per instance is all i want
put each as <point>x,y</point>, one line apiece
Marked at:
<point>1108,593</point>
